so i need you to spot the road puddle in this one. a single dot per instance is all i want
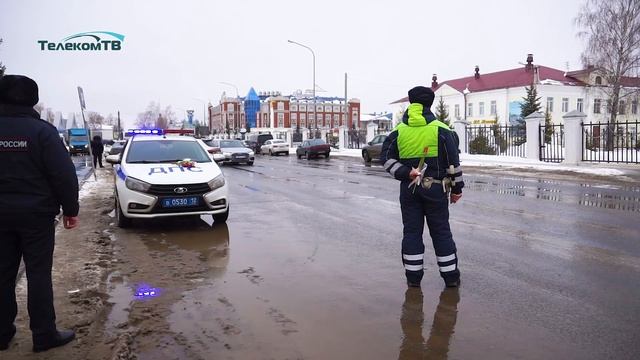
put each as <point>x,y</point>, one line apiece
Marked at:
<point>623,198</point>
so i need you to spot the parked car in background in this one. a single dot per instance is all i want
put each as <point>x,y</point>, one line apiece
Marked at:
<point>234,151</point>
<point>275,147</point>
<point>372,150</point>
<point>257,140</point>
<point>116,147</point>
<point>313,148</point>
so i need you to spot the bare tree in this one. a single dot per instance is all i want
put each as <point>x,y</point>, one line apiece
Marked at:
<point>109,120</point>
<point>2,67</point>
<point>611,29</point>
<point>94,119</point>
<point>49,115</point>
<point>156,116</point>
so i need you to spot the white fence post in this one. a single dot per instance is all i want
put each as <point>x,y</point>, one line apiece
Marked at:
<point>342,139</point>
<point>533,122</point>
<point>460,127</point>
<point>371,131</point>
<point>573,137</point>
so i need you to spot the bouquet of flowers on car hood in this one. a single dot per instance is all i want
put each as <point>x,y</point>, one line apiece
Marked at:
<point>186,163</point>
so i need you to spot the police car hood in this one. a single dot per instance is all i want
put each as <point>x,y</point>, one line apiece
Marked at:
<point>172,174</point>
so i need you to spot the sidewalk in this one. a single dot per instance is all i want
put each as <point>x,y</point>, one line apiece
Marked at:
<point>623,172</point>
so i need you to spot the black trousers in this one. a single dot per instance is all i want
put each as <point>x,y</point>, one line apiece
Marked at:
<point>30,237</point>
<point>97,159</point>
<point>433,205</point>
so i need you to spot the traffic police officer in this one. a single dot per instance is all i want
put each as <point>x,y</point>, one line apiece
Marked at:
<point>37,178</point>
<point>422,153</point>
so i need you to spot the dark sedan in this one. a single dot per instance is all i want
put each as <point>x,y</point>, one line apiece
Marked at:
<point>372,150</point>
<point>313,148</point>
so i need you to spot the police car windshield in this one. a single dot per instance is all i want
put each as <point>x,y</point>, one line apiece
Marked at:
<point>231,144</point>
<point>165,151</point>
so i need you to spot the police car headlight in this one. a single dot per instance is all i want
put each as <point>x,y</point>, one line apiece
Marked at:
<point>217,182</point>
<point>251,153</point>
<point>86,146</point>
<point>136,185</point>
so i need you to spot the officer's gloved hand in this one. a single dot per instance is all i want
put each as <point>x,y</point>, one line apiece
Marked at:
<point>455,198</point>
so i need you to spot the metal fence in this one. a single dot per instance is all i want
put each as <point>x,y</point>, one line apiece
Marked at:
<point>506,140</point>
<point>617,143</point>
<point>551,143</point>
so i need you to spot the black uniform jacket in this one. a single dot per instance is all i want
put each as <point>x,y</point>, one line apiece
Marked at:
<point>37,175</point>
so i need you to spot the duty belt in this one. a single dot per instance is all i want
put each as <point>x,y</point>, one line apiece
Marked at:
<point>428,181</point>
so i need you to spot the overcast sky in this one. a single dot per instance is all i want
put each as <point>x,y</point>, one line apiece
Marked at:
<point>175,52</point>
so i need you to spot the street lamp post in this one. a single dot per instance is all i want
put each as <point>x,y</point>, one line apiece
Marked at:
<point>315,117</point>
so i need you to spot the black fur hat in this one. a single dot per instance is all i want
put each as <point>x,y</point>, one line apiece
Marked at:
<point>18,90</point>
<point>421,95</point>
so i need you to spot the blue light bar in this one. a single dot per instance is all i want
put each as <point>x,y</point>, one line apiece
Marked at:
<point>133,132</point>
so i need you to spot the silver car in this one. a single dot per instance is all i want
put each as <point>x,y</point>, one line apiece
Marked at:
<point>234,151</point>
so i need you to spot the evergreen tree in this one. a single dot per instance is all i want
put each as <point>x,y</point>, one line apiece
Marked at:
<point>548,127</point>
<point>531,102</point>
<point>441,112</point>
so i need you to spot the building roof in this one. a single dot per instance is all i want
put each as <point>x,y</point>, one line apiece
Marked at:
<point>628,81</point>
<point>507,79</point>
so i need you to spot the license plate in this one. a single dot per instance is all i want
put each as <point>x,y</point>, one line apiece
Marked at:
<point>180,202</point>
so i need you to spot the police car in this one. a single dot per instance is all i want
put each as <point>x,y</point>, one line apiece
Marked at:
<point>160,175</point>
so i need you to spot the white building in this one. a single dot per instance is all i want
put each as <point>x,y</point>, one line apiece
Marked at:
<point>496,97</point>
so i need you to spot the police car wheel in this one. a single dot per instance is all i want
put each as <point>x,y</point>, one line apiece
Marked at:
<point>365,155</point>
<point>221,218</point>
<point>123,221</point>
<point>250,163</point>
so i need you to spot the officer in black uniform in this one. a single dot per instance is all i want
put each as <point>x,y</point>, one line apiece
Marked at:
<point>37,178</point>
<point>422,153</point>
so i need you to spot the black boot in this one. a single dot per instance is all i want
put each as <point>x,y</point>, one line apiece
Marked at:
<point>6,338</point>
<point>61,337</point>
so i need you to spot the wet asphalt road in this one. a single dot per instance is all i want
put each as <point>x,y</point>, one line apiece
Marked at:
<point>312,269</point>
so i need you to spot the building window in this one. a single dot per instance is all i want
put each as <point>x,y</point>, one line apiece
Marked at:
<point>596,106</point>
<point>470,109</point>
<point>608,110</point>
<point>303,120</point>
<point>621,107</point>
<point>294,107</point>
<point>294,116</point>
<point>634,107</point>
<point>280,105</point>
<point>598,80</point>
<point>303,107</point>
<point>336,108</point>
<point>580,105</point>
<point>494,110</point>
<point>280,120</point>
<point>550,104</point>
<point>327,108</point>
<point>456,110</point>
<point>565,105</point>
<point>481,108</point>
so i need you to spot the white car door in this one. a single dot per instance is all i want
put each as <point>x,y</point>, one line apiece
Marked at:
<point>265,148</point>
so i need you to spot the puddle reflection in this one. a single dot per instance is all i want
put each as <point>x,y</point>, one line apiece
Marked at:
<point>601,196</point>
<point>412,319</point>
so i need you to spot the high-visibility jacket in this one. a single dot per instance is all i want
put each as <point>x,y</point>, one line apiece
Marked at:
<point>420,135</point>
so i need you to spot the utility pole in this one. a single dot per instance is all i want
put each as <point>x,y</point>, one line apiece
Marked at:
<point>119,127</point>
<point>346,106</point>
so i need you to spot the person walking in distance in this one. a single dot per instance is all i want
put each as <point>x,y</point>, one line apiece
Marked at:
<point>41,179</point>
<point>97,148</point>
<point>422,153</point>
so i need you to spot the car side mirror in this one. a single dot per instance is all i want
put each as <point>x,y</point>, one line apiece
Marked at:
<point>113,159</point>
<point>370,142</point>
